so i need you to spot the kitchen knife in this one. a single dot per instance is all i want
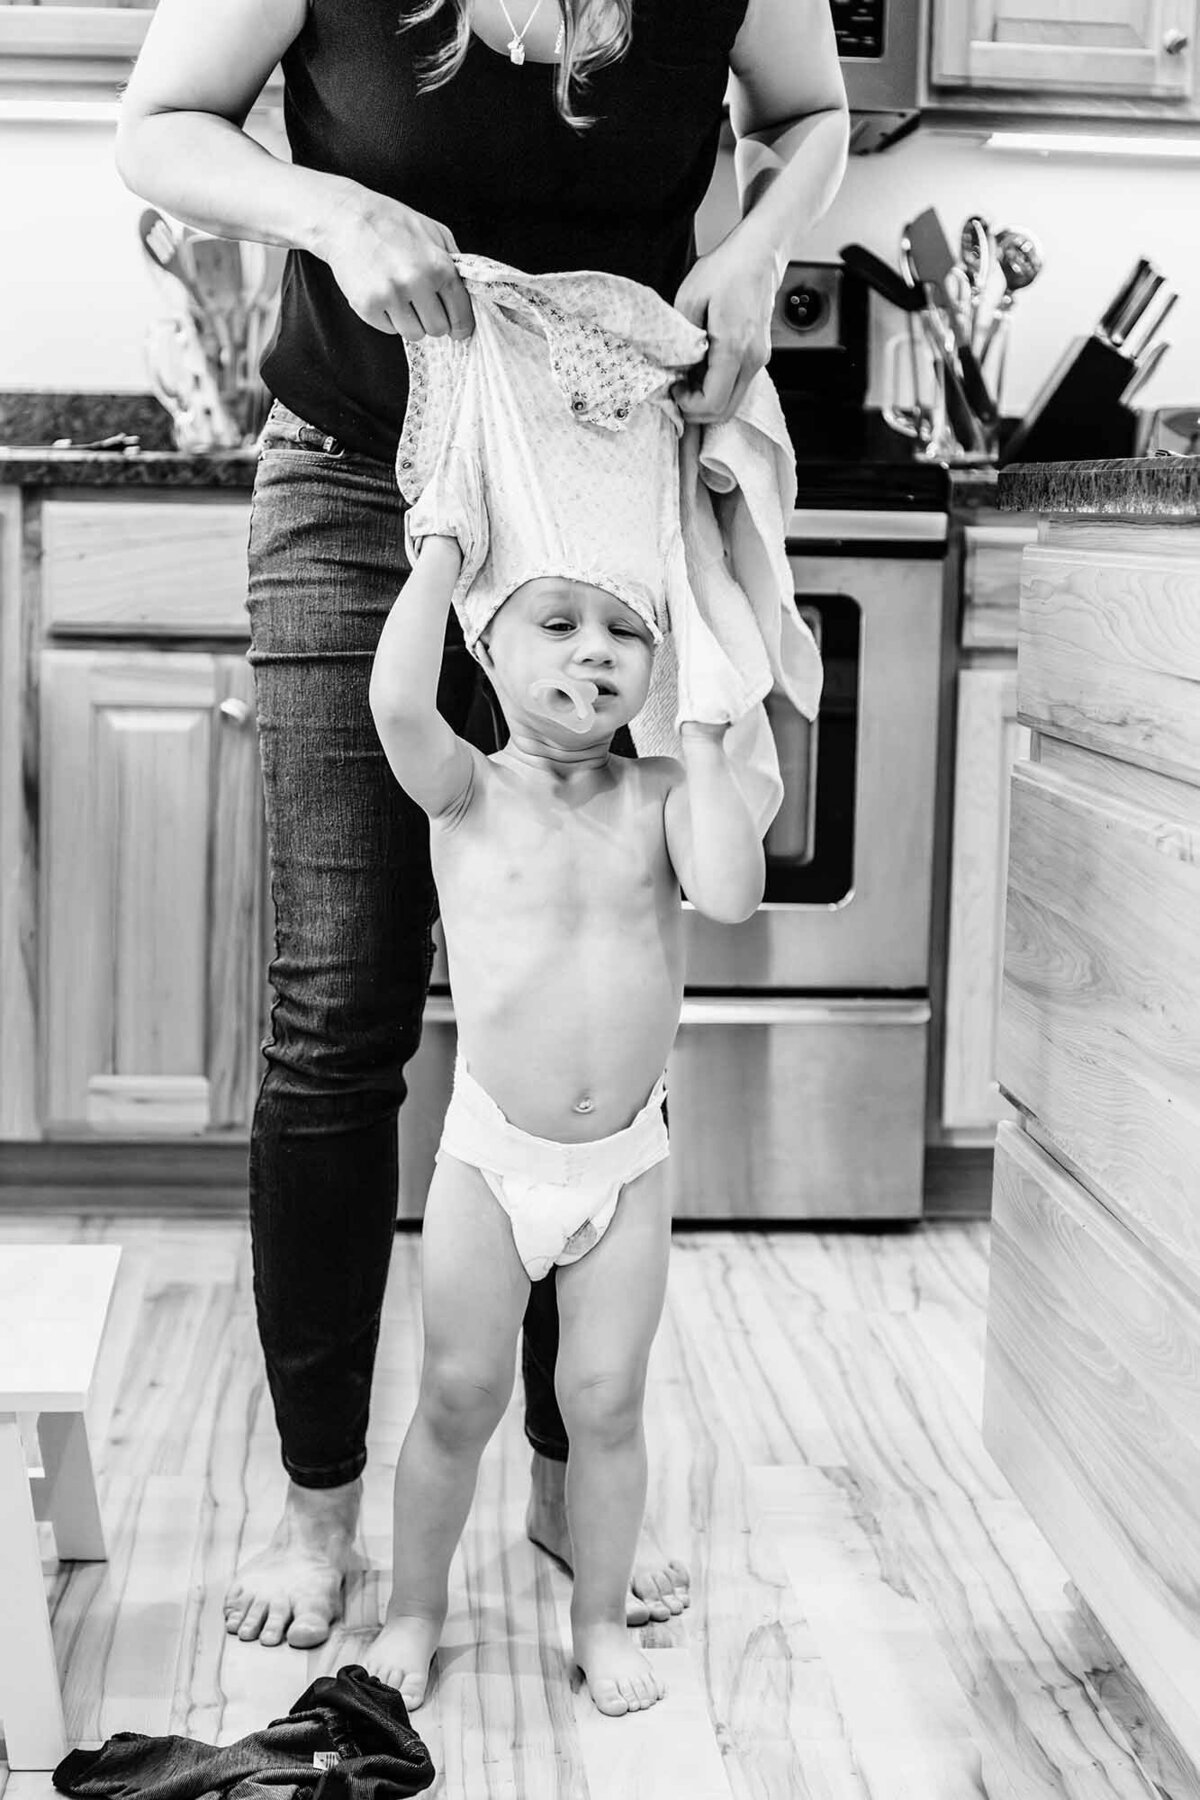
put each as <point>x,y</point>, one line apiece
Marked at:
<point>1152,330</point>
<point>933,263</point>
<point>1144,371</point>
<point>1120,299</point>
<point>1135,307</point>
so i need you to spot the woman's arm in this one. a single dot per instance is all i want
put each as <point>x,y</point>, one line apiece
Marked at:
<point>711,838</point>
<point>180,144</point>
<point>790,118</point>
<point>788,109</point>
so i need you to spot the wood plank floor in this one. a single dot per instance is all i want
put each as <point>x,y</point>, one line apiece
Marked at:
<point>875,1617</point>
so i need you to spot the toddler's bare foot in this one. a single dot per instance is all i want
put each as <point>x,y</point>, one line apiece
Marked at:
<point>659,1585</point>
<point>294,1586</point>
<point>402,1653</point>
<point>619,1678</point>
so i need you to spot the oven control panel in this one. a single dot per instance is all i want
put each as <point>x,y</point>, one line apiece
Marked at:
<point>859,26</point>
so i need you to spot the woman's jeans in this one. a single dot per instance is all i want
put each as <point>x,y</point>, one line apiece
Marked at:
<point>354,905</point>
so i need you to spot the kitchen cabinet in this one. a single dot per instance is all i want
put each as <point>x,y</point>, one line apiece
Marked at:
<point>1092,1362</point>
<point>988,739</point>
<point>133,915</point>
<point>1121,58</point>
<point>151,849</point>
<point>83,52</point>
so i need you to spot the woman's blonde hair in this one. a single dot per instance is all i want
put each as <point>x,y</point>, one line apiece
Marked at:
<point>602,26</point>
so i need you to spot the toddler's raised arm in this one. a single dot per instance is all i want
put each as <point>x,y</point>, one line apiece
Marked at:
<point>428,760</point>
<point>712,839</point>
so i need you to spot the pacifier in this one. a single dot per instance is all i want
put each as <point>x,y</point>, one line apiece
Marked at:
<point>568,702</point>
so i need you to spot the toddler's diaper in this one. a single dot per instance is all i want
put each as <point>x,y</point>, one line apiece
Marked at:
<point>560,1198</point>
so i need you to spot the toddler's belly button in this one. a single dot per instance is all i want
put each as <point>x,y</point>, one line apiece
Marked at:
<point>584,1105</point>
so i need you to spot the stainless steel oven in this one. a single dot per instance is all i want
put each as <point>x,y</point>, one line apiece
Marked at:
<point>798,1082</point>
<point>797,1086</point>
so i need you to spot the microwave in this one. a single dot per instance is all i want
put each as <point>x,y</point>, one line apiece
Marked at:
<point>879,44</point>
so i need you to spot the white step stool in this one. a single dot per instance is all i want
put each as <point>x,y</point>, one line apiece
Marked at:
<point>53,1303</point>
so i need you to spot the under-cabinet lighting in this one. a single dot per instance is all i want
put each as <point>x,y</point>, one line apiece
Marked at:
<point>1131,147</point>
<point>59,112</point>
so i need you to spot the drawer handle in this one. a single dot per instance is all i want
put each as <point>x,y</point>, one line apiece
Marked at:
<point>1175,43</point>
<point>235,709</point>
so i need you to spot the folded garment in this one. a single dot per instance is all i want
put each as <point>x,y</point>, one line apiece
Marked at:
<point>346,1738</point>
<point>548,443</point>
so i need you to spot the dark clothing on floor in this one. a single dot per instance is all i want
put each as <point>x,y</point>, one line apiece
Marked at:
<point>349,1716</point>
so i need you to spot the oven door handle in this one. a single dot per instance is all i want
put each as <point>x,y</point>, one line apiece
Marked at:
<point>739,1010</point>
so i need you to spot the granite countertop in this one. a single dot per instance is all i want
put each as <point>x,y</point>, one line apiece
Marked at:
<point>1136,487</point>
<point>38,466</point>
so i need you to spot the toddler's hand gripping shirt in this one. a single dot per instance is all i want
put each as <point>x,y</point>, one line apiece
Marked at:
<point>547,443</point>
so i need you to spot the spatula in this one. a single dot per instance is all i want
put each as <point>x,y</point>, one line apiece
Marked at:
<point>162,247</point>
<point>933,262</point>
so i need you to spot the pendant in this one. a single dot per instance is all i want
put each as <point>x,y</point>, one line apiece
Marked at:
<point>516,51</point>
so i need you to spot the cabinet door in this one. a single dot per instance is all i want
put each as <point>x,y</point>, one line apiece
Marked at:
<point>989,742</point>
<point>151,851</point>
<point>1133,47</point>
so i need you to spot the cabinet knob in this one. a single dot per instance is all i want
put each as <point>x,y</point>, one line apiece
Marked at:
<point>235,709</point>
<point>1176,42</point>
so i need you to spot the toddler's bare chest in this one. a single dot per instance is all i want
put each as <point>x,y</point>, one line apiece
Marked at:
<point>581,864</point>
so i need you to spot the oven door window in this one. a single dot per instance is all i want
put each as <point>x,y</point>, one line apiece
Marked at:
<point>810,844</point>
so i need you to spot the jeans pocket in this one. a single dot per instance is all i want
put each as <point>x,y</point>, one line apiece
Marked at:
<point>287,431</point>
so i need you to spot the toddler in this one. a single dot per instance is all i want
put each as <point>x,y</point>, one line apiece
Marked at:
<point>559,867</point>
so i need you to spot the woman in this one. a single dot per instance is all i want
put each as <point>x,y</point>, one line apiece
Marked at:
<point>465,129</point>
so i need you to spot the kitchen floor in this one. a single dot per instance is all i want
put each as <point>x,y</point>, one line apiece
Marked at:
<point>874,1614</point>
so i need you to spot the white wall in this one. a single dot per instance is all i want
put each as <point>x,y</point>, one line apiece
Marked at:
<point>76,297</point>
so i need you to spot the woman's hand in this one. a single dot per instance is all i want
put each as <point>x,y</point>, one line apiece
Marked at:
<point>730,293</point>
<point>394,267</point>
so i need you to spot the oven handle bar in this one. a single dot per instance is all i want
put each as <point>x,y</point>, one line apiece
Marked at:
<point>714,1010</point>
<point>818,523</point>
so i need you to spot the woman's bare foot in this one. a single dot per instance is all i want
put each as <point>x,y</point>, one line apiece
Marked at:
<point>294,1586</point>
<point>619,1678</point>
<point>402,1653</point>
<point>658,1586</point>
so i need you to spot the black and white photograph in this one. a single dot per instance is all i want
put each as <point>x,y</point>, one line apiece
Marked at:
<point>600,899</point>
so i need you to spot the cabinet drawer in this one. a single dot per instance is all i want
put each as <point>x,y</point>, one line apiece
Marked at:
<point>1109,651</point>
<point>145,567</point>
<point>1101,994</point>
<point>992,583</point>
<point>760,1090</point>
<point>1090,1411</point>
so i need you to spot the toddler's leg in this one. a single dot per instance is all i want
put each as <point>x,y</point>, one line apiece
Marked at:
<point>609,1305</point>
<point>473,1295</point>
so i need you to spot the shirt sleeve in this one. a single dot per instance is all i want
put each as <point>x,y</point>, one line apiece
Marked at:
<point>451,505</point>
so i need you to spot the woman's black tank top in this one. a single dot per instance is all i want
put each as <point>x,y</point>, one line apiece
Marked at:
<point>488,156</point>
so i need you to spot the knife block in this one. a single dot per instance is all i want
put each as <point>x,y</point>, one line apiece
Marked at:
<point>1078,415</point>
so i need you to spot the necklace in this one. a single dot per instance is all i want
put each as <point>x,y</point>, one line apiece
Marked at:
<point>516,44</point>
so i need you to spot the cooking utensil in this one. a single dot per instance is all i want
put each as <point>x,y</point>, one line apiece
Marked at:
<point>1019,257</point>
<point>163,249</point>
<point>217,272</point>
<point>935,269</point>
<point>977,256</point>
<point>964,423</point>
<point>882,278</point>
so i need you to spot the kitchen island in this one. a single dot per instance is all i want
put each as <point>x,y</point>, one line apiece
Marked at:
<point>1092,1396</point>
